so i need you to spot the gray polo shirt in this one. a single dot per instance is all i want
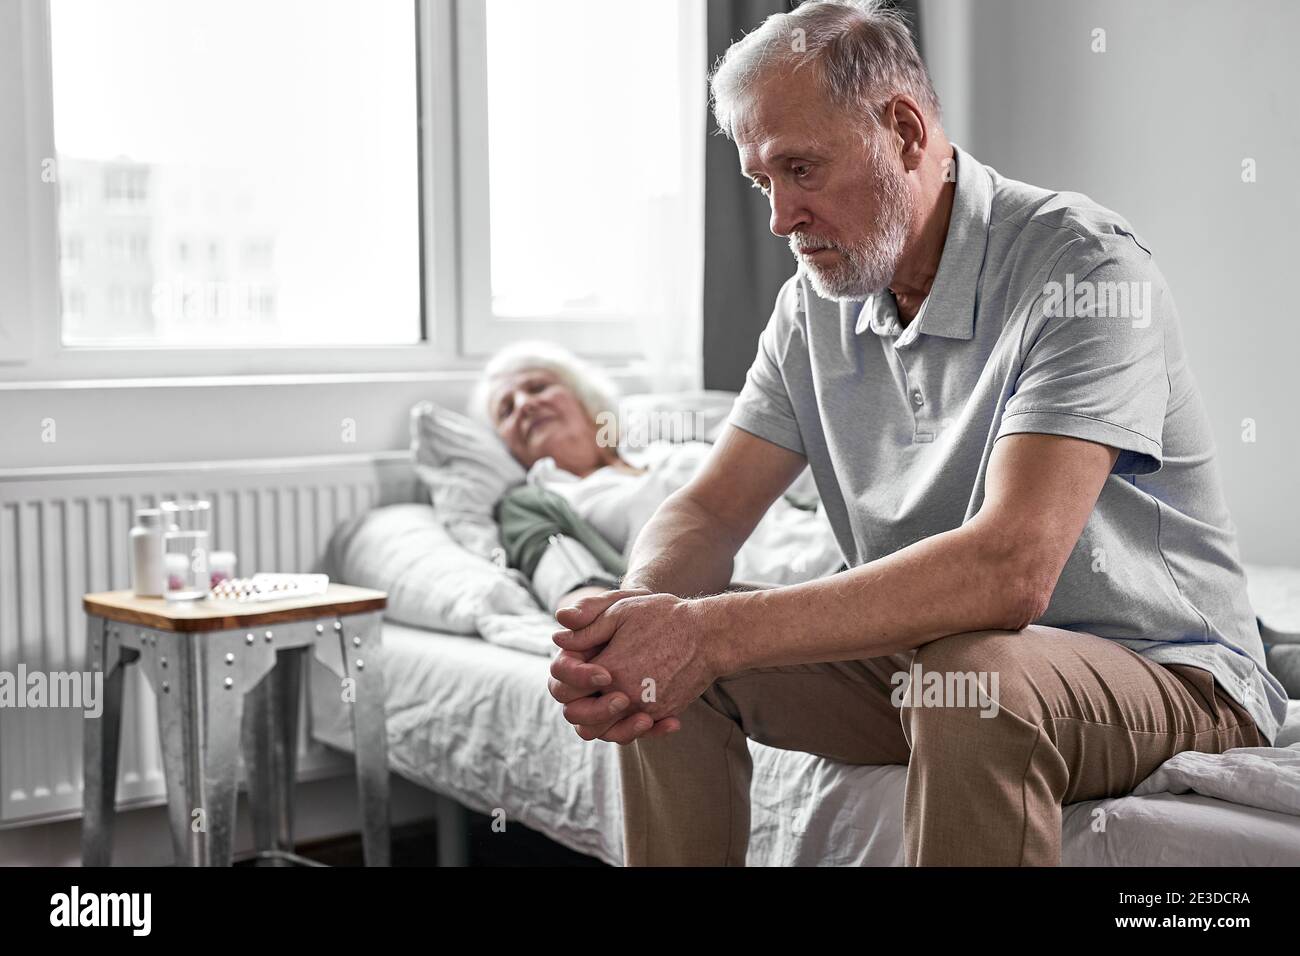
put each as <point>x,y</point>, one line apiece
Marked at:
<point>1047,315</point>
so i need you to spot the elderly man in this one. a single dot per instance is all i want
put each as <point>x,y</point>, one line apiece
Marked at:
<point>988,381</point>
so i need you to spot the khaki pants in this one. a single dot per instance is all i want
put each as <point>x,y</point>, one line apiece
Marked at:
<point>1077,718</point>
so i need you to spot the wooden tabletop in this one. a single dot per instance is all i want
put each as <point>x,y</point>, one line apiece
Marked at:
<point>212,614</point>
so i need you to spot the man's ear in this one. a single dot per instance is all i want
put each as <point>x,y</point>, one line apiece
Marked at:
<point>911,128</point>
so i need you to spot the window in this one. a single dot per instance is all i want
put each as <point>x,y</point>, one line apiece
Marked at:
<point>587,226</point>
<point>125,185</point>
<point>202,135</point>
<point>349,186</point>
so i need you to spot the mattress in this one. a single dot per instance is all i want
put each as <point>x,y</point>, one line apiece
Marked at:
<point>473,721</point>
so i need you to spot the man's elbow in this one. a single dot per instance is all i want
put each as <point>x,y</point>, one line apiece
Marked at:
<point>1026,603</point>
<point>1022,583</point>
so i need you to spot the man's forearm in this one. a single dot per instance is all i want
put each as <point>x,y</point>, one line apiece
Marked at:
<point>957,581</point>
<point>682,550</point>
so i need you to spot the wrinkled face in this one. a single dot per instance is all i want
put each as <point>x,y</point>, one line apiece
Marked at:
<point>538,416</point>
<point>845,205</point>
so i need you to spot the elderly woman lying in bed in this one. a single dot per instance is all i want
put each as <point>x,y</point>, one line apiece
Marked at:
<point>571,525</point>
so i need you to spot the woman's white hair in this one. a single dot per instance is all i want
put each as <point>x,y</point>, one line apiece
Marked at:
<point>862,50</point>
<point>594,388</point>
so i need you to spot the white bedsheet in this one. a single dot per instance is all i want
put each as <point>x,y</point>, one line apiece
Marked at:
<point>473,720</point>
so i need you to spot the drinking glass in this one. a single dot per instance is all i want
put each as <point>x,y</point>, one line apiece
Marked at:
<point>187,528</point>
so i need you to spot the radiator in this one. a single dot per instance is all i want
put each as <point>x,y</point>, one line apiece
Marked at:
<point>65,532</point>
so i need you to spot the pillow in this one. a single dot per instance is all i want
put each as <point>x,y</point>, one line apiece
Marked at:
<point>431,580</point>
<point>466,469</point>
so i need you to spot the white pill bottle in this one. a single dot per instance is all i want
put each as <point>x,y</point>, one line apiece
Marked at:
<point>147,576</point>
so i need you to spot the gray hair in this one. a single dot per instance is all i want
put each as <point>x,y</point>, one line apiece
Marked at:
<point>862,49</point>
<point>593,388</point>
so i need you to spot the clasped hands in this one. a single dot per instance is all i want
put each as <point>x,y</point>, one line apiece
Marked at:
<point>630,661</point>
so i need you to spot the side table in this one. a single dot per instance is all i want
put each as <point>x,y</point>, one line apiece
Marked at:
<point>212,665</point>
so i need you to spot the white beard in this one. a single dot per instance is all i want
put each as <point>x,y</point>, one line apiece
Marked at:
<point>866,268</point>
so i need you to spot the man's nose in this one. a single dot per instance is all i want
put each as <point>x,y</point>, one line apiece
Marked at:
<point>787,214</point>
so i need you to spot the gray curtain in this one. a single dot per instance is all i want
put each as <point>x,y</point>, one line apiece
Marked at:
<point>744,264</point>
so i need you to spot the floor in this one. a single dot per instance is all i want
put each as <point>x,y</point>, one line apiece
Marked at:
<point>417,845</point>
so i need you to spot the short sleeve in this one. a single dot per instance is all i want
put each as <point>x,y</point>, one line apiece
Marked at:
<point>763,407</point>
<point>1095,365</point>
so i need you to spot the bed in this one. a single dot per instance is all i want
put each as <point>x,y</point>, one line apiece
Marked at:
<point>473,721</point>
<point>466,657</point>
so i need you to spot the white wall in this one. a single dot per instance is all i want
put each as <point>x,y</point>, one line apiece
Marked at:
<point>1156,128</point>
<point>106,423</point>
<point>135,421</point>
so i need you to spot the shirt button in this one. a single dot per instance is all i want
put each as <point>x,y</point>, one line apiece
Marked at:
<point>918,398</point>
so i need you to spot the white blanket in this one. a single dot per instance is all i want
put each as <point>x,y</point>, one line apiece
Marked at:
<point>1264,777</point>
<point>530,633</point>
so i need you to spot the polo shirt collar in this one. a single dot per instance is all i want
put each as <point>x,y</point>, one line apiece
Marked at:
<point>950,306</point>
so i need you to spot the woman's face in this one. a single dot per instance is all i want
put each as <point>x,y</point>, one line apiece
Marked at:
<point>538,416</point>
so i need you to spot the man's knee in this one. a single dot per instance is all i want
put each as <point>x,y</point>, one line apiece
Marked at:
<point>975,650</point>
<point>966,685</point>
<point>707,717</point>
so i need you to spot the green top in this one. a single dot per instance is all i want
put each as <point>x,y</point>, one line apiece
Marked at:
<point>529,515</point>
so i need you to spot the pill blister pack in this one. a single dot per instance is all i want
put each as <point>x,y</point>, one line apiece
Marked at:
<point>270,587</point>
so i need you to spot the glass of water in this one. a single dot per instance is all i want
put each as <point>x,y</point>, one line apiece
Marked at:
<point>187,528</point>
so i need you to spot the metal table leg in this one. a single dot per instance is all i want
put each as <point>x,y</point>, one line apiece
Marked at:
<point>200,682</point>
<point>271,754</point>
<point>361,644</point>
<point>101,739</point>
